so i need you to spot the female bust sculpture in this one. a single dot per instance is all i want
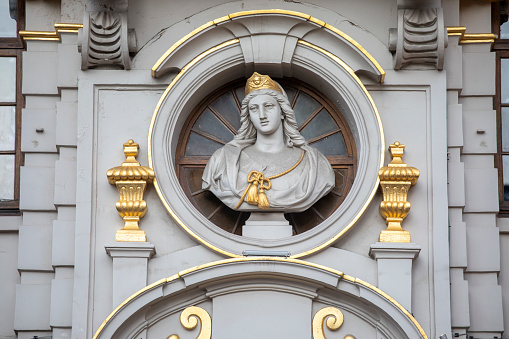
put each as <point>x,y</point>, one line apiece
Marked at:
<point>268,165</point>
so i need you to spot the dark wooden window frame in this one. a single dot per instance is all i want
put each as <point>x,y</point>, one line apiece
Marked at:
<point>14,47</point>
<point>339,162</point>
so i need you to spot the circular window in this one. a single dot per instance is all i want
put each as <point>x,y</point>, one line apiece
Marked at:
<point>215,121</point>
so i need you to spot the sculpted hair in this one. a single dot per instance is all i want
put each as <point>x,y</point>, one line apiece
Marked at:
<point>247,132</point>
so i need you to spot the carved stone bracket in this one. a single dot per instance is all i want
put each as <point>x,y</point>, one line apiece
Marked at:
<point>105,40</point>
<point>420,38</point>
<point>395,181</point>
<point>131,180</point>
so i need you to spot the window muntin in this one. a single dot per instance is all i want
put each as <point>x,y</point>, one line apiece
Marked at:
<point>502,106</point>
<point>8,26</point>
<point>11,103</point>
<point>216,120</point>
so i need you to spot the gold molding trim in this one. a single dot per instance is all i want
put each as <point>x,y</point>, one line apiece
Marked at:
<point>395,181</point>
<point>269,11</point>
<point>131,180</point>
<point>189,320</point>
<point>50,36</point>
<point>471,38</point>
<point>223,45</point>
<point>382,149</point>
<point>389,298</point>
<point>182,273</point>
<point>329,316</point>
<point>151,128</point>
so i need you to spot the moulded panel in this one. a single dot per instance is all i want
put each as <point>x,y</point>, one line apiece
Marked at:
<point>8,280</point>
<point>38,130</point>
<point>480,161</point>
<point>485,308</point>
<point>10,223</point>
<point>63,243</point>
<point>460,315</point>
<point>37,185</point>
<point>61,302</point>
<point>453,64</point>
<point>480,134</point>
<point>65,182</point>
<point>478,74</point>
<point>40,72</point>
<point>66,123</point>
<point>456,187</point>
<point>32,307</point>
<point>454,126</point>
<point>481,190</point>
<point>35,248</point>
<point>458,244</point>
<point>69,63</point>
<point>476,103</point>
<point>285,314</point>
<point>483,249</point>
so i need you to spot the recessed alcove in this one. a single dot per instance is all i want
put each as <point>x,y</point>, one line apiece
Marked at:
<point>201,71</point>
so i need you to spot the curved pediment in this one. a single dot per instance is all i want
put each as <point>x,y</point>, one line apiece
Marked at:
<point>289,293</point>
<point>268,40</point>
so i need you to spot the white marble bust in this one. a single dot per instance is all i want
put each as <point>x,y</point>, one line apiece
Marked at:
<point>268,166</point>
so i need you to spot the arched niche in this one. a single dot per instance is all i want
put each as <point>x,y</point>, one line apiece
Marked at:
<point>288,291</point>
<point>278,43</point>
<point>268,40</point>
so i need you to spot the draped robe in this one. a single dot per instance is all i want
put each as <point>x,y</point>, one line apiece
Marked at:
<point>226,176</point>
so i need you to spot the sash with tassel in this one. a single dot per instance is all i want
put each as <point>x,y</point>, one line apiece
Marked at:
<point>258,184</point>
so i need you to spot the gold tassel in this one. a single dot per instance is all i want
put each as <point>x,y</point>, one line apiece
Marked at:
<point>252,194</point>
<point>263,202</point>
<point>256,195</point>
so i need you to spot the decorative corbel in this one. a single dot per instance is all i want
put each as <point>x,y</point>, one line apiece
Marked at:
<point>131,180</point>
<point>395,181</point>
<point>420,39</point>
<point>105,40</point>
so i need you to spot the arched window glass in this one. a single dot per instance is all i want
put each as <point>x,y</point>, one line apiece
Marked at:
<point>215,121</point>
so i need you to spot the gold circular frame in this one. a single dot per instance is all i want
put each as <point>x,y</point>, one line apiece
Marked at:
<point>333,57</point>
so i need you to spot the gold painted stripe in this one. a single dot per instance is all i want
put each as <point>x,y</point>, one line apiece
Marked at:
<point>382,152</point>
<point>471,38</point>
<point>50,36</point>
<point>477,41</point>
<point>182,273</point>
<point>269,11</point>
<point>152,123</point>
<point>68,27</point>
<point>390,299</point>
<point>457,30</point>
<point>32,35</point>
<point>360,48</point>
<point>177,44</point>
<point>128,300</point>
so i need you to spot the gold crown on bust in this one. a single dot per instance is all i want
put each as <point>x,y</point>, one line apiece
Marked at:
<point>259,81</point>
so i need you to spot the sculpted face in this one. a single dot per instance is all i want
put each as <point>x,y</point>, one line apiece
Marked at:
<point>265,114</point>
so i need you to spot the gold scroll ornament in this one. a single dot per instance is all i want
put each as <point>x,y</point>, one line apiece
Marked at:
<point>330,317</point>
<point>395,181</point>
<point>189,320</point>
<point>131,180</point>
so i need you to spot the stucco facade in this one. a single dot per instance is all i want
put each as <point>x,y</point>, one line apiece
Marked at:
<point>404,71</point>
